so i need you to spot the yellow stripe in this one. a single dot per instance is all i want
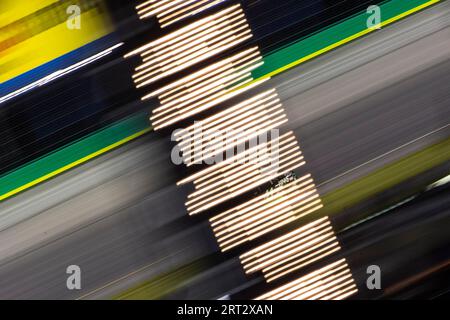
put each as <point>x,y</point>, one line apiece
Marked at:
<point>13,10</point>
<point>74,164</point>
<point>59,40</point>
<point>342,42</point>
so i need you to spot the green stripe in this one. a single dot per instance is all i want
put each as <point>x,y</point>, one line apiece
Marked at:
<point>331,35</point>
<point>103,139</point>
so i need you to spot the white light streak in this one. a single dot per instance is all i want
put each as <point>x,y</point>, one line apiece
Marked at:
<point>332,282</point>
<point>58,74</point>
<point>292,251</point>
<point>191,44</point>
<point>172,11</point>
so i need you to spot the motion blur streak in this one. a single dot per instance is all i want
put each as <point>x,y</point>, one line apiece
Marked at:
<point>191,44</point>
<point>169,12</point>
<point>57,74</point>
<point>212,123</point>
<point>333,282</point>
<point>205,88</point>
<point>292,251</point>
<point>26,27</point>
<point>279,56</point>
<point>120,213</point>
<point>266,212</point>
<point>232,127</point>
<point>243,172</point>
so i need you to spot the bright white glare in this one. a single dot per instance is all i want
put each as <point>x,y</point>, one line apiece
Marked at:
<point>57,74</point>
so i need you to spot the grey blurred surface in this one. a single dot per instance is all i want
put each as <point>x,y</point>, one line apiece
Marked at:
<point>379,99</point>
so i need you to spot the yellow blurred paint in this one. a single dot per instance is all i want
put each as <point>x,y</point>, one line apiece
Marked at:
<point>35,48</point>
<point>12,10</point>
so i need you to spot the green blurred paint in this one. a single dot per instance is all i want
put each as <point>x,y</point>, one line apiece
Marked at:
<point>77,150</point>
<point>329,36</point>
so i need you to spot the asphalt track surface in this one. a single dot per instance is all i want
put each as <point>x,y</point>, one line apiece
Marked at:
<point>353,110</point>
